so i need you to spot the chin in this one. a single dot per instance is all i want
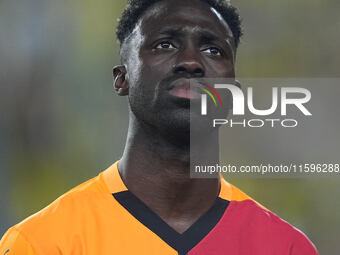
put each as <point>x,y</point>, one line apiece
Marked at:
<point>175,126</point>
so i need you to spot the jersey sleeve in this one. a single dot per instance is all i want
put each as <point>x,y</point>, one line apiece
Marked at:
<point>14,243</point>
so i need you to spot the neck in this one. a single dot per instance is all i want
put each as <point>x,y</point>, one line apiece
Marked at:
<point>158,172</point>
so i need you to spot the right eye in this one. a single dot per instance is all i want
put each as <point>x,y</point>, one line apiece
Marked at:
<point>165,45</point>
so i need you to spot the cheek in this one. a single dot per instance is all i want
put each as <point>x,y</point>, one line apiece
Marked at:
<point>223,68</point>
<point>142,87</point>
<point>153,70</point>
<point>134,67</point>
<point>139,74</point>
<point>158,64</point>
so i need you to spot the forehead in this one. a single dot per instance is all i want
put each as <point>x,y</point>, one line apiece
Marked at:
<point>186,15</point>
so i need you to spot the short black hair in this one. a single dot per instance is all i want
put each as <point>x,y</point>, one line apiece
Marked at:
<point>136,8</point>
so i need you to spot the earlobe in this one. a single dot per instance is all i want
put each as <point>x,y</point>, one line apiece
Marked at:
<point>120,84</point>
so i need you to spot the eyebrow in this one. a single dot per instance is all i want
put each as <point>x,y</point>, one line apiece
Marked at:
<point>203,33</point>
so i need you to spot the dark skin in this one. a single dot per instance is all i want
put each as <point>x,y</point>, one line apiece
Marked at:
<point>193,41</point>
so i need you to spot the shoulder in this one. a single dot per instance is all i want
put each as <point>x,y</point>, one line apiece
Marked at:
<point>266,226</point>
<point>232,193</point>
<point>53,224</point>
<point>13,242</point>
<point>73,203</point>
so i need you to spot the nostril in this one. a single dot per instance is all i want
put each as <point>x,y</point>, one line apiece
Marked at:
<point>192,68</point>
<point>180,69</point>
<point>198,72</point>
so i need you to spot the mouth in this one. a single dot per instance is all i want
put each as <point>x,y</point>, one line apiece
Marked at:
<point>183,88</point>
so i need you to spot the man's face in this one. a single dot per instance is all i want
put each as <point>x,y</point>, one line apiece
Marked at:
<point>173,42</point>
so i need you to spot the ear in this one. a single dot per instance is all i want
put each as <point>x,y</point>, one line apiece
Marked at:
<point>119,82</point>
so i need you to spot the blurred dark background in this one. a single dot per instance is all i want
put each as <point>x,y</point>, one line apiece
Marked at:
<point>61,123</point>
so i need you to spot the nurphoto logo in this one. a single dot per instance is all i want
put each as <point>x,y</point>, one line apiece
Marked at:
<point>288,97</point>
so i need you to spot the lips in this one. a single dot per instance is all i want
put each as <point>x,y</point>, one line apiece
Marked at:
<point>181,88</point>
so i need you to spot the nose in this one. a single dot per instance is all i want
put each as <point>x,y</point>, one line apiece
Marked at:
<point>188,62</point>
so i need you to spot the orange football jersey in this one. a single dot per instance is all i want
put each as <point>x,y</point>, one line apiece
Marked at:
<point>102,217</point>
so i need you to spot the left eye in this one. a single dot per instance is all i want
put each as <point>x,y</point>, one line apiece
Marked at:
<point>165,45</point>
<point>213,51</point>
